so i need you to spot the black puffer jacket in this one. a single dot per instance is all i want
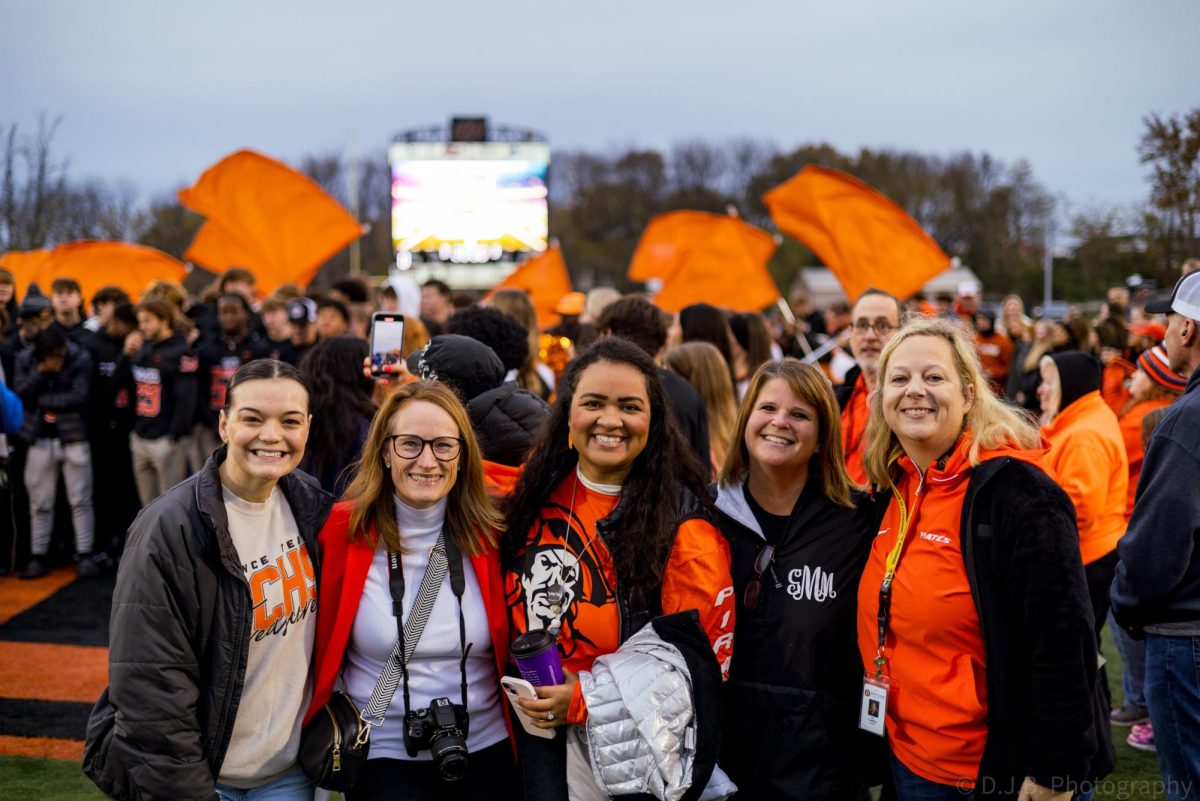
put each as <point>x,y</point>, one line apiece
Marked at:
<point>61,397</point>
<point>796,679</point>
<point>180,635</point>
<point>507,421</point>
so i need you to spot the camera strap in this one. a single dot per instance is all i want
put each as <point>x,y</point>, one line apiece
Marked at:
<point>444,557</point>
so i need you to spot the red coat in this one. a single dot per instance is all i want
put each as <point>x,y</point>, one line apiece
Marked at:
<point>344,568</point>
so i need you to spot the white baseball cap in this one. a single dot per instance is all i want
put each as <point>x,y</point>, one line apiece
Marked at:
<point>1184,299</point>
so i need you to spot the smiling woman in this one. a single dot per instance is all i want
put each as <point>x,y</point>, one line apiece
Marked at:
<point>606,530</point>
<point>245,520</point>
<point>973,599</point>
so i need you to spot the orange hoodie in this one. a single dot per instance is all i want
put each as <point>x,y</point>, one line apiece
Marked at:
<point>500,479</point>
<point>1131,432</point>
<point>854,429</point>
<point>1112,383</point>
<point>1087,455</point>
<point>937,710</point>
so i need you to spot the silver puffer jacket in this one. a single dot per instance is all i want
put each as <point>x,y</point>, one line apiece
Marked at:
<point>641,726</point>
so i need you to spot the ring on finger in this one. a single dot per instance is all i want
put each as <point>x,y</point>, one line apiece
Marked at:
<point>549,716</point>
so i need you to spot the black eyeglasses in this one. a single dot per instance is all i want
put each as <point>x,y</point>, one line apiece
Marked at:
<point>754,589</point>
<point>881,327</point>
<point>409,446</point>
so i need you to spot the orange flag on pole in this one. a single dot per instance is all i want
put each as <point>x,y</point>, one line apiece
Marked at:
<point>860,234</point>
<point>96,264</point>
<point>279,218</point>
<point>706,258</point>
<point>546,279</point>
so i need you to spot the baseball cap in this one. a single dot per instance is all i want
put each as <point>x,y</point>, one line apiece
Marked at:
<point>302,310</point>
<point>1184,299</point>
<point>1156,364</point>
<point>571,304</point>
<point>1148,329</point>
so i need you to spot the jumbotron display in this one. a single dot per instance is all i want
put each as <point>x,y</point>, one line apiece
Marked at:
<point>468,202</point>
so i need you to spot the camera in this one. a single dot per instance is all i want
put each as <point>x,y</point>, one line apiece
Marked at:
<point>442,728</point>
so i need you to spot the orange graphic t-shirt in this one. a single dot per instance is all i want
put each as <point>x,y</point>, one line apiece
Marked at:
<point>565,558</point>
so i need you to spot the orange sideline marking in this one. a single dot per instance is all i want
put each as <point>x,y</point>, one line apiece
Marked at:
<point>41,748</point>
<point>48,672</point>
<point>16,595</point>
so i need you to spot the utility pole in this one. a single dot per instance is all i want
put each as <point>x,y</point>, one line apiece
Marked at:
<point>1048,266</point>
<point>352,196</point>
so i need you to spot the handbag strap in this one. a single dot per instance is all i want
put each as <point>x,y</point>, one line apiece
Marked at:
<point>410,633</point>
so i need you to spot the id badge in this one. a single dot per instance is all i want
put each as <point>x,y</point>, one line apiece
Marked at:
<point>873,715</point>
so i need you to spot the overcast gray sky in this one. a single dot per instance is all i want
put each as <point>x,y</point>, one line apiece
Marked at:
<point>154,92</point>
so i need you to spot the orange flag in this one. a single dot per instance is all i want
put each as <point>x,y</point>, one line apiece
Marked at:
<point>546,279</point>
<point>277,217</point>
<point>706,258</point>
<point>25,266</point>
<point>96,264</point>
<point>861,235</point>
<point>218,249</point>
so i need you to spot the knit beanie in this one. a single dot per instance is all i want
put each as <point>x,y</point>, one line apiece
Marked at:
<point>1156,364</point>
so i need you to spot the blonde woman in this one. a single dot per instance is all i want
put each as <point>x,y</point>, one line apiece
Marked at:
<point>1024,377</point>
<point>974,621</point>
<point>701,365</point>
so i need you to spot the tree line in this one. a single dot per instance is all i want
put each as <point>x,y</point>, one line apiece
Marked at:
<point>997,218</point>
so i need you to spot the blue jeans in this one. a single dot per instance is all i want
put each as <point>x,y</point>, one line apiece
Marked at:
<point>291,786</point>
<point>1173,698</point>
<point>911,787</point>
<point>1133,654</point>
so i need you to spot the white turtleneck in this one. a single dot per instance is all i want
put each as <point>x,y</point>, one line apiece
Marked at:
<point>433,671</point>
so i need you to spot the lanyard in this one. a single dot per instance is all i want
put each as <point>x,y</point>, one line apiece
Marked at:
<point>889,575</point>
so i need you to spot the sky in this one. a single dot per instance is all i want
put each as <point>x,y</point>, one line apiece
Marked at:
<point>152,93</point>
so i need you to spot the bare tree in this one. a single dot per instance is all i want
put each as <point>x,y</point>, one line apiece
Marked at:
<point>1171,145</point>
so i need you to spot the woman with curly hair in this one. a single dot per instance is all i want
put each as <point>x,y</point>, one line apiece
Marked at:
<point>601,538</point>
<point>340,398</point>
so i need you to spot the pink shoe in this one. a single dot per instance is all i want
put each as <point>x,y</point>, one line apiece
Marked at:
<point>1142,737</point>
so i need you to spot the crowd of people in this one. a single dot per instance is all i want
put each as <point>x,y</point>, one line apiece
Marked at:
<point>874,544</point>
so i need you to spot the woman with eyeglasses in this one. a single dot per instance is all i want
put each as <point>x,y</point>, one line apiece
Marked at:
<point>979,666</point>
<point>799,536</point>
<point>418,504</point>
<point>606,531</point>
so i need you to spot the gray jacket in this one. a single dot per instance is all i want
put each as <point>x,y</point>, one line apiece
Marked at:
<point>642,722</point>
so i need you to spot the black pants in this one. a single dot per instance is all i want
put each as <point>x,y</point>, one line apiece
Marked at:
<point>492,775</point>
<point>1100,575</point>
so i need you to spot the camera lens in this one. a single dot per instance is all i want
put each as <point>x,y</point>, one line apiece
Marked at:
<point>450,757</point>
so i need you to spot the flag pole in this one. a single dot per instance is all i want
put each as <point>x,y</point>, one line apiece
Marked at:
<point>802,341</point>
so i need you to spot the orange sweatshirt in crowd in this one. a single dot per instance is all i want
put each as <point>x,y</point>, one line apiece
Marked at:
<point>1131,432</point>
<point>1112,384</point>
<point>854,429</point>
<point>573,556</point>
<point>501,479</point>
<point>937,707</point>
<point>1087,456</point>
<point>995,354</point>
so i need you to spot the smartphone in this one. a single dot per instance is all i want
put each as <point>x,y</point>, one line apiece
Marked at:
<point>387,340</point>
<point>516,688</point>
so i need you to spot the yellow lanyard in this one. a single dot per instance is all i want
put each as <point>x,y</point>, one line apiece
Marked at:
<point>893,562</point>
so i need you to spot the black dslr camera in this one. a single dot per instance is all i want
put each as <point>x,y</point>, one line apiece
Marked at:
<point>442,728</point>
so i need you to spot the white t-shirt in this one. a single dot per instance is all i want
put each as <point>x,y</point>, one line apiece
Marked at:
<point>278,684</point>
<point>433,671</point>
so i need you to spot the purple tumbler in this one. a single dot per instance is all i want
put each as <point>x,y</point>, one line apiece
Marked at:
<point>536,655</point>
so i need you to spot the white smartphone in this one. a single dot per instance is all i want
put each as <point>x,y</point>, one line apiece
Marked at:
<point>387,340</point>
<point>519,688</point>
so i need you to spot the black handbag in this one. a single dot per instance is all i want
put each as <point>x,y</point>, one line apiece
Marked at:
<point>334,745</point>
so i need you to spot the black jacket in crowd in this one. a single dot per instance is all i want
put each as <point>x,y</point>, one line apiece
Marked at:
<point>56,404</point>
<point>687,407</point>
<point>1047,717</point>
<point>219,360</point>
<point>845,390</point>
<point>111,406</point>
<point>180,639</point>
<point>794,689</point>
<point>507,420</point>
<point>164,375</point>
